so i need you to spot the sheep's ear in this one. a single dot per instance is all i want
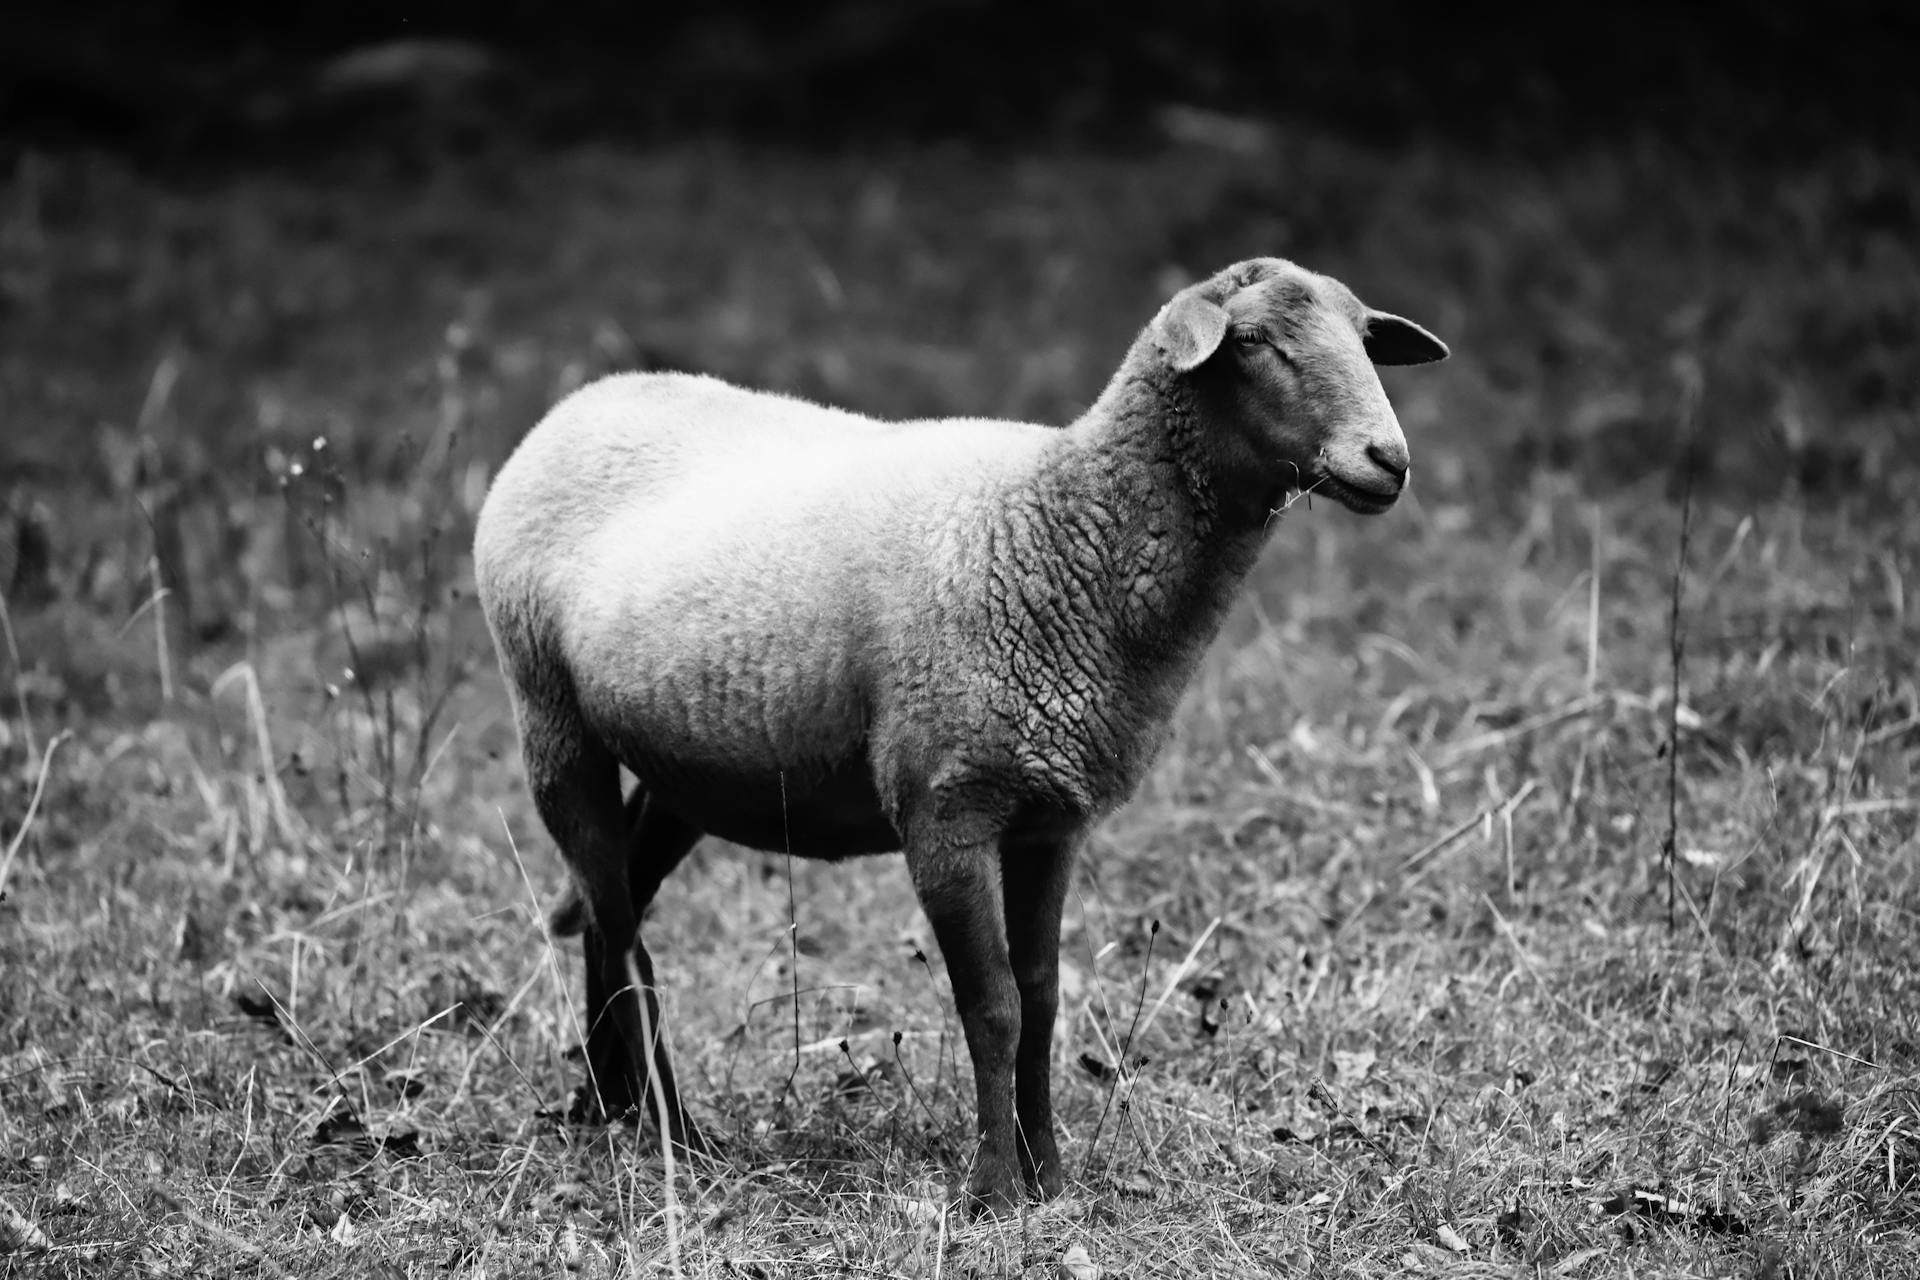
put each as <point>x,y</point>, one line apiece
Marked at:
<point>1189,329</point>
<point>1392,340</point>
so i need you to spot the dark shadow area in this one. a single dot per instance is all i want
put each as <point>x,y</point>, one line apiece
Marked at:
<point>195,82</point>
<point>1666,245</point>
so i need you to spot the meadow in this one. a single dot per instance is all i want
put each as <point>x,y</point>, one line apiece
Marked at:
<point>1529,887</point>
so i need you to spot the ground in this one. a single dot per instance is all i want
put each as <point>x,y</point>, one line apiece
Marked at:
<point>1443,938</point>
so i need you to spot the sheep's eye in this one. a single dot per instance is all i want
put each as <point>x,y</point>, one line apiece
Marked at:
<point>1249,337</point>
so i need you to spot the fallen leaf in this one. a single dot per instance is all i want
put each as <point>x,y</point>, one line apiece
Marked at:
<point>18,1234</point>
<point>1297,1260</point>
<point>921,1211</point>
<point>1579,1258</point>
<point>1095,1067</point>
<point>1671,1211</point>
<point>1077,1264</point>
<point>1450,1238</point>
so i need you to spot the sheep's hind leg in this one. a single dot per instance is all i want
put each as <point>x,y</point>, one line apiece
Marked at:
<point>958,883</point>
<point>576,788</point>
<point>658,841</point>
<point>1035,877</point>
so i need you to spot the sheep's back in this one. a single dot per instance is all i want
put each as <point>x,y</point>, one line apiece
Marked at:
<point>727,565</point>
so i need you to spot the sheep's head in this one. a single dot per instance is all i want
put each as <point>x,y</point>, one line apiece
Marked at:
<point>1283,360</point>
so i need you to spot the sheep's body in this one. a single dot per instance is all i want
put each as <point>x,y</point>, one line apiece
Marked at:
<point>806,630</point>
<point>943,604</point>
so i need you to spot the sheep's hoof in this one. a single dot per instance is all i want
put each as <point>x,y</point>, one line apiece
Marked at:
<point>1046,1182</point>
<point>1040,1165</point>
<point>993,1193</point>
<point>587,1108</point>
<point>584,1109</point>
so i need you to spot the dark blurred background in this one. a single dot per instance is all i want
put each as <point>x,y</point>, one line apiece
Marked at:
<point>191,81</point>
<point>1671,246</point>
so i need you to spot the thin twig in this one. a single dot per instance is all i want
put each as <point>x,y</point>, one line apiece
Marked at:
<point>239,1244</point>
<point>1434,847</point>
<point>1677,648</point>
<point>553,955</point>
<point>907,1075</point>
<point>1125,1047</point>
<point>1593,609</point>
<point>300,1037</point>
<point>19,677</point>
<point>1179,972</point>
<point>33,807</point>
<point>1291,793</point>
<point>279,808</point>
<point>793,941</point>
<point>1459,752</point>
<point>1885,733</point>
<point>161,656</point>
<point>670,1207</point>
<point>1443,841</point>
<point>1837,1053</point>
<point>1533,971</point>
<point>1413,866</point>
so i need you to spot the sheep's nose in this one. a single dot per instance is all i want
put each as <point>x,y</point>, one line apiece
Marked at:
<point>1390,458</point>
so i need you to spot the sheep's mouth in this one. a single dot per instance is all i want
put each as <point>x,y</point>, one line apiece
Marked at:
<point>1357,498</point>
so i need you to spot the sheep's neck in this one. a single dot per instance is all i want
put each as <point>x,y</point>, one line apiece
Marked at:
<point>1160,416</point>
<point>1173,552</point>
<point>1107,576</point>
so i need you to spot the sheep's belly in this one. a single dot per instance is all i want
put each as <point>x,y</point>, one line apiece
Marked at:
<point>832,815</point>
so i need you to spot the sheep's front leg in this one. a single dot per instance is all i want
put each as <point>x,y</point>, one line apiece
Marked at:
<point>959,889</point>
<point>1035,877</point>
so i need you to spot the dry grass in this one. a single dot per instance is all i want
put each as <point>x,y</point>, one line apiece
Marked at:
<point>1378,975</point>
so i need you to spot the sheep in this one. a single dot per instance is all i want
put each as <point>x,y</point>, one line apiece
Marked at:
<point>808,631</point>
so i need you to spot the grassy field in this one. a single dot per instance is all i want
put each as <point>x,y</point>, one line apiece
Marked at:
<point>1443,939</point>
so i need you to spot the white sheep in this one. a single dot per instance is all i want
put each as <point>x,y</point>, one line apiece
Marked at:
<point>804,630</point>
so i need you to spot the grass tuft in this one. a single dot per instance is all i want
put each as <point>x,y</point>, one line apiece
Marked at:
<point>1469,924</point>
